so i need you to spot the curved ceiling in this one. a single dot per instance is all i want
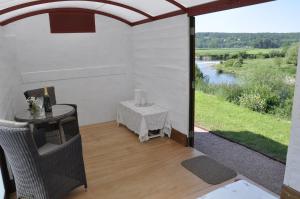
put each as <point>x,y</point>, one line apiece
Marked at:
<point>132,12</point>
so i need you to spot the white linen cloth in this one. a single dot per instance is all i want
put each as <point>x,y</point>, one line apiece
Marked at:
<point>142,119</point>
<point>239,190</point>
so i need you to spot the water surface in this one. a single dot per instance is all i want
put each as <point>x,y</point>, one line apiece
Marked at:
<point>214,76</point>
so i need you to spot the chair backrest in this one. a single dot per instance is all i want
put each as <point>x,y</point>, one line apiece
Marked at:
<point>40,93</point>
<point>23,157</point>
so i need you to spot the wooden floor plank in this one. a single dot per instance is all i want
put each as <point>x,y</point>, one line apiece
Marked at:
<point>119,166</point>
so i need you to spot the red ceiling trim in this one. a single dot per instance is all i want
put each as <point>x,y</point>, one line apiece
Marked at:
<point>163,16</point>
<point>206,8</point>
<point>221,5</point>
<point>174,2</point>
<point>28,4</point>
<point>30,14</point>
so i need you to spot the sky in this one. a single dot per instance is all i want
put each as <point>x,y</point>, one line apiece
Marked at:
<point>276,16</point>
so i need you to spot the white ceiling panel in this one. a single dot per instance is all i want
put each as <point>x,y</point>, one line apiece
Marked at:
<point>64,4</point>
<point>191,3</point>
<point>9,3</point>
<point>152,7</point>
<point>122,12</point>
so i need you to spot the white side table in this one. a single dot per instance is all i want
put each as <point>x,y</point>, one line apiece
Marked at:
<point>141,120</point>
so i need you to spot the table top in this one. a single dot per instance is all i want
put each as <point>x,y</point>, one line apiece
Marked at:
<point>144,110</point>
<point>58,112</point>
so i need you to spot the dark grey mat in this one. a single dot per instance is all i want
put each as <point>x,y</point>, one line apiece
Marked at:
<point>209,170</point>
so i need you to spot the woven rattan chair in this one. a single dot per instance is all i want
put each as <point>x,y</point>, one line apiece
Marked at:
<point>44,173</point>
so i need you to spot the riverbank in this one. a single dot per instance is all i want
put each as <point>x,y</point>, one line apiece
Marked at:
<point>265,133</point>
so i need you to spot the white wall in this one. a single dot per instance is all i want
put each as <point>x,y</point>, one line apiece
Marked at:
<point>92,70</point>
<point>9,77</point>
<point>292,172</point>
<point>98,70</point>
<point>161,65</point>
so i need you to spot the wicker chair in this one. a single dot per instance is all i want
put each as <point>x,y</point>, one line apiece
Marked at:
<point>68,127</point>
<point>44,173</point>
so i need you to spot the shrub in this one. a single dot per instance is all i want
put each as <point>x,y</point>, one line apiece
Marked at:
<point>276,53</point>
<point>285,109</point>
<point>229,63</point>
<point>231,93</point>
<point>292,54</point>
<point>234,63</point>
<point>238,63</point>
<point>253,101</point>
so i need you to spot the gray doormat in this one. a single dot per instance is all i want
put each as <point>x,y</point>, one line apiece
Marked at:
<point>209,170</point>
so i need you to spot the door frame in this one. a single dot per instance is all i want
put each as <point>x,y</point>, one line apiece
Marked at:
<point>192,82</point>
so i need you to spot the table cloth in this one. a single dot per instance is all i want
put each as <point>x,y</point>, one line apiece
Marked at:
<point>142,119</point>
<point>239,190</point>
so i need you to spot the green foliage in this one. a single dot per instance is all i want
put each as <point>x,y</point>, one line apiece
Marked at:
<point>244,53</point>
<point>229,63</point>
<point>233,63</point>
<point>245,40</point>
<point>292,54</point>
<point>231,93</point>
<point>278,61</point>
<point>238,63</point>
<point>265,43</point>
<point>253,101</point>
<point>263,90</point>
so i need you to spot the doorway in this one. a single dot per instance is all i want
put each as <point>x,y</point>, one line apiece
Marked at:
<point>244,82</point>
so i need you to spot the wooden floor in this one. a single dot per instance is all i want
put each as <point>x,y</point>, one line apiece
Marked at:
<point>119,166</point>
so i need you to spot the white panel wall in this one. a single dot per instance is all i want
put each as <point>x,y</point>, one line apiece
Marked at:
<point>98,70</point>
<point>161,65</point>
<point>9,77</point>
<point>92,70</point>
<point>292,173</point>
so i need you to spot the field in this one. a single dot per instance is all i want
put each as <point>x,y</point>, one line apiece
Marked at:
<point>252,65</point>
<point>231,51</point>
<point>265,133</point>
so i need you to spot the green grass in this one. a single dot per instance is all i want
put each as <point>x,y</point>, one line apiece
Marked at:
<point>261,132</point>
<point>251,65</point>
<point>231,51</point>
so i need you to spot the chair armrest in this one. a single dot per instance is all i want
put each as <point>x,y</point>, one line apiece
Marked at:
<point>62,155</point>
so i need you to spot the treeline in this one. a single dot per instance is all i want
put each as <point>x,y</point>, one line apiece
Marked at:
<point>243,53</point>
<point>245,40</point>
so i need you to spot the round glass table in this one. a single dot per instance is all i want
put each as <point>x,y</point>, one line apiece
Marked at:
<point>58,112</point>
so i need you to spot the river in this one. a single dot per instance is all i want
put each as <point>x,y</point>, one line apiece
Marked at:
<point>215,77</point>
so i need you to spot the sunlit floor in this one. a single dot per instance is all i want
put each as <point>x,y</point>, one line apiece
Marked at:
<point>119,166</point>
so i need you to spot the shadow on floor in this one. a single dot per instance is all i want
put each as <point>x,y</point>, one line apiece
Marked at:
<point>255,166</point>
<point>259,143</point>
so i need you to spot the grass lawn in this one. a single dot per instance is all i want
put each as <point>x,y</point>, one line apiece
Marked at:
<point>264,133</point>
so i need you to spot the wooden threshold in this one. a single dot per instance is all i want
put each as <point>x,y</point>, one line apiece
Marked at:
<point>289,193</point>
